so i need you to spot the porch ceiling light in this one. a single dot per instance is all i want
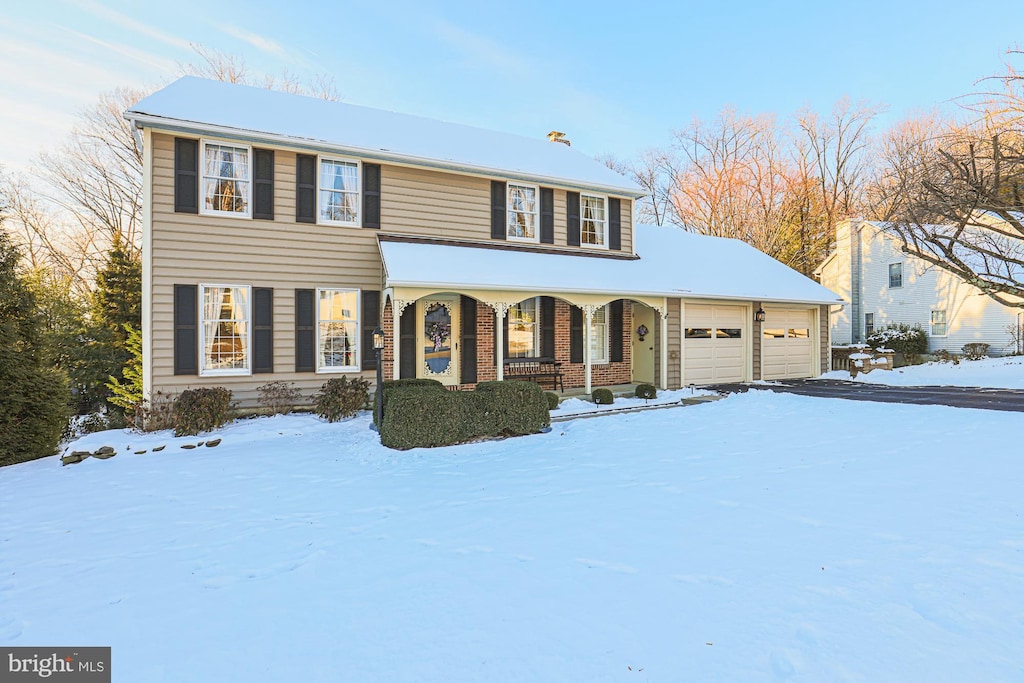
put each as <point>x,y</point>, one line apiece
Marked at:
<point>759,315</point>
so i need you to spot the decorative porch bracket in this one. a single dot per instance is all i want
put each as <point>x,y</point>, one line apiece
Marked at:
<point>500,309</point>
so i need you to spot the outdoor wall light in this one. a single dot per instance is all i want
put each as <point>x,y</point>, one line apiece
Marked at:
<point>642,332</point>
<point>759,315</point>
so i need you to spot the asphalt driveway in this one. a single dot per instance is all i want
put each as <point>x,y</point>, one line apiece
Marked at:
<point>958,397</point>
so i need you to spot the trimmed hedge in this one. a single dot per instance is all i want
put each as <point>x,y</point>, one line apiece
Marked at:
<point>420,417</point>
<point>603,396</point>
<point>421,384</point>
<point>552,398</point>
<point>646,391</point>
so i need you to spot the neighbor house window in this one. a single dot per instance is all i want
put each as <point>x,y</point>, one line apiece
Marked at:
<point>522,212</point>
<point>338,187</point>
<point>599,336</point>
<point>939,323</point>
<point>869,324</point>
<point>523,330</point>
<point>895,275</point>
<point>593,220</point>
<point>337,333</point>
<point>224,330</point>
<point>227,179</point>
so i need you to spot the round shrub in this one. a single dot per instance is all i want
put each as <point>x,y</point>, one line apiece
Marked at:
<point>552,398</point>
<point>200,410</point>
<point>912,342</point>
<point>646,391</point>
<point>341,397</point>
<point>603,396</point>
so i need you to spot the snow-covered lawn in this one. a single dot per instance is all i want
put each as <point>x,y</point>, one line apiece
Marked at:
<point>1006,373</point>
<point>761,537</point>
<point>570,407</point>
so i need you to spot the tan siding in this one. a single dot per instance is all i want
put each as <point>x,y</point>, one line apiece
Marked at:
<point>627,226</point>
<point>674,343</point>
<point>755,345</point>
<point>435,204</point>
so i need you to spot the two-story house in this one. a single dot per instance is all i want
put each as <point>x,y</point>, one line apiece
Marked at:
<point>886,286</point>
<point>280,230</point>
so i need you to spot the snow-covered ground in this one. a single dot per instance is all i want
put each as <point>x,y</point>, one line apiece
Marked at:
<point>761,537</point>
<point>1006,373</point>
<point>570,407</point>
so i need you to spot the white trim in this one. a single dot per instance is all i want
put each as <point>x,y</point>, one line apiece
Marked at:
<point>203,211</point>
<point>182,126</point>
<point>147,266</point>
<point>320,158</point>
<point>215,372</point>
<point>359,333</point>
<point>536,212</point>
<point>889,275</point>
<point>603,198</point>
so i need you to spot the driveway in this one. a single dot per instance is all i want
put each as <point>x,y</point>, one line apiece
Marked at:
<point>958,397</point>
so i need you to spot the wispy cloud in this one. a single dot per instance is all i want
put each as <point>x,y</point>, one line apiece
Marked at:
<point>135,55</point>
<point>124,21</point>
<point>261,43</point>
<point>481,50</point>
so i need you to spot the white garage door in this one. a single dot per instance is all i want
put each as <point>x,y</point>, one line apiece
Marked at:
<point>787,344</point>
<point>715,343</point>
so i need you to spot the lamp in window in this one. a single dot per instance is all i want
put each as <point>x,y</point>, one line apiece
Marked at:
<point>759,315</point>
<point>378,347</point>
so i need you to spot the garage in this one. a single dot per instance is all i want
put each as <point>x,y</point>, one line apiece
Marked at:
<point>714,340</point>
<point>787,343</point>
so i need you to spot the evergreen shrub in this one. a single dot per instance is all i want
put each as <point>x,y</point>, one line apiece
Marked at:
<point>341,397</point>
<point>552,398</point>
<point>423,384</point>
<point>419,417</point>
<point>603,396</point>
<point>912,342</point>
<point>200,410</point>
<point>646,391</point>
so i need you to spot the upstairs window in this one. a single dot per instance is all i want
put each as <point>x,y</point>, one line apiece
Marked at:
<point>593,220</point>
<point>227,180</point>
<point>522,212</point>
<point>338,188</point>
<point>895,275</point>
<point>939,324</point>
<point>523,330</point>
<point>869,324</point>
<point>224,330</point>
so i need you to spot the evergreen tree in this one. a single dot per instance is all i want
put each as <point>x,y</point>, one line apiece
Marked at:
<point>33,402</point>
<point>117,300</point>
<point>127,393</point>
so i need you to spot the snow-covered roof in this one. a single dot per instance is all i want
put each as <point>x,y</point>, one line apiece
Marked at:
<point>202,105</point>
<point>672,263</point>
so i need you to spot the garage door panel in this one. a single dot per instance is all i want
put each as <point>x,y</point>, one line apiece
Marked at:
<point>715,357</point>
<point>792,355</point>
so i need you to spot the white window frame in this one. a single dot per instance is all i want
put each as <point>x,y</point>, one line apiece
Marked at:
<point>945,322</point>
<point>224,372</point>
<point>604,199</point>
<point>606,358</point>
<point>359,192</point>
<point>536,213</point>
<point>889,275</point>
<point>202,180</point>
<point>536,328</point>
<point>359,334</point>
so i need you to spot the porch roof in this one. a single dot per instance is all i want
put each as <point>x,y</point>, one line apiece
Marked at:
<point>672,263</point>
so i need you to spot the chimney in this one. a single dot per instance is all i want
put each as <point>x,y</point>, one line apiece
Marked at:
<point>555,136</point>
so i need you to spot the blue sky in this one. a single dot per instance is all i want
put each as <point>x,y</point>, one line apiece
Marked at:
<point>617,77</point>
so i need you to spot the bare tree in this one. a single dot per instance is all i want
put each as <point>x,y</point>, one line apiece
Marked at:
<point>221,66</point>
<point>652,171</point>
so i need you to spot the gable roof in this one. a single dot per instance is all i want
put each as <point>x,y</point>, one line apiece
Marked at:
<point>199,105</point>
<point>672,263</point>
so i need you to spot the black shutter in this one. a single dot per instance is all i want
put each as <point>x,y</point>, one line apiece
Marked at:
<point>371,196</point>
<point>575,335</point>
<point>263,184</point>
<point>305,332</point>
<point>371,319</point>
<point>467,350</point>
<point>262,329</point>
<point>305,188</point>
<point>615,329</point>
<point>186,175</point>
<point>547,327</point>
<point>407,343</point>
<point>547,215</point>
<point>572,218</point>
<point>504,337</point>
<point>186,342</point>
<point>615,224</point>
<point>499,222</point>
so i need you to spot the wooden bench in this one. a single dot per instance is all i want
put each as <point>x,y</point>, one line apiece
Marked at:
<point>537,370</point>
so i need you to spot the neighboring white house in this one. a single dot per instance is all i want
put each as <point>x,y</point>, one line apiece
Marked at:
<point>886,286</point>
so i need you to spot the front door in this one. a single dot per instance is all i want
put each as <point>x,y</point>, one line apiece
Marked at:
<point>643,345</point>
<point>437,355</point>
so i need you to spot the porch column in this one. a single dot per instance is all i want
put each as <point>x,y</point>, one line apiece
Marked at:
<point>588,319</point>
<point>664,348</point>
<point>500,309</point>
<point>397,307</point>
